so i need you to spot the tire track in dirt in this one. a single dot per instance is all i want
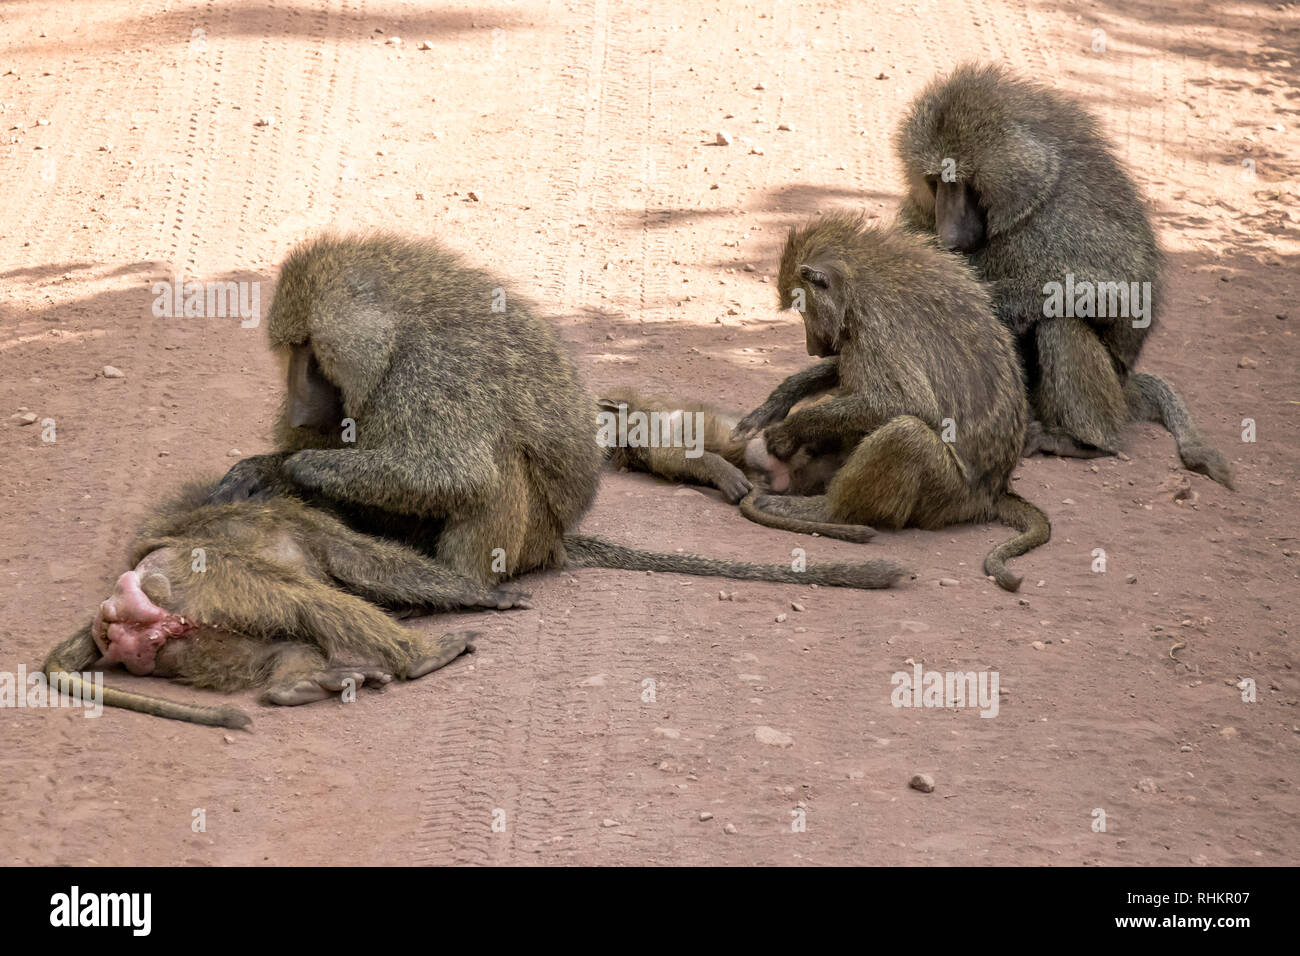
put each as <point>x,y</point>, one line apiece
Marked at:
<point>491,759</point>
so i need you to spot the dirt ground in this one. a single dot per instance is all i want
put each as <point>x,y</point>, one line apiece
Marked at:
<point>568,145</point>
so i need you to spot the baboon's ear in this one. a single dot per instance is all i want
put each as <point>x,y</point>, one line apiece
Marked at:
<point>609,404</point>
<point>814,276</point>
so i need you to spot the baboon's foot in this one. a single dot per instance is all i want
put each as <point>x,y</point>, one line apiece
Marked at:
<point>428,653</point>
<point>1038,440</point>
<point>1208,462</point>
<point>306,689</point>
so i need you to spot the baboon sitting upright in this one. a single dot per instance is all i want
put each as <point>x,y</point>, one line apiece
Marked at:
<point>930,399</point>
<point>428,405</point>
<point>1019,178</point>
<point>268,594</point>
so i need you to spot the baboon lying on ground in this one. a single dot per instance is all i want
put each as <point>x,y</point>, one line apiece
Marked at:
<point>731,465</point>
<point>270,594</point>
<point>1018,178</point>
<point>929,396</point>
<point>428,405</point>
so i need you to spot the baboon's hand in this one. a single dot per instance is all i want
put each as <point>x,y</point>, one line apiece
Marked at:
<point>781,441</point>
<point>733,485</point>
<point>756,421</point>
<point>248,480</point>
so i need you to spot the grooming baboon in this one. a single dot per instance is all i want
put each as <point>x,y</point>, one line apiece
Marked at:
<point>930,399</point>
<point>466,432</point>
<point>270,594</point>
<point>730,465</point>
<point>1019,178</point>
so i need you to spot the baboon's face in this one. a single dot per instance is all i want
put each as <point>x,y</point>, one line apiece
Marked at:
<point>959,216</point>
<point>314,401</point>
<point>823,311</point>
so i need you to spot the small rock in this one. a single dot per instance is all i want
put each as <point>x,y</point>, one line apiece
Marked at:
<point>759,86</point>
<point>749,267</point>
<point>923,782</point>
<point>1228,732</point>
<point>726,595</point>
<point>780,619</point>
<point>1024,602</point>
<point>1037,645</point>
<point>1067,501</point>
<point>795,605</point>
<point>756,151</point>
<point>228,739</point>
<point>109,371</point>
<point>394,41</point>
<point>265,121</point>
<point>23,418</point>
<point>1185,748</point>
<point>473,196</point>
<point>1245,362</point>
<point>785,128</point>
<point>722,138</point>
<point>234,453</point>
<point>667,732</point>
<point>1148,785</point>
<point>730,828</point>
<point>1281,316</point>
<point>425,45</point>
<point>772,737</point>
<point>948,582</point>
<point>1132,579</point>
<point>607,822</point>
<point>705,815</point>
<point>882,75</point>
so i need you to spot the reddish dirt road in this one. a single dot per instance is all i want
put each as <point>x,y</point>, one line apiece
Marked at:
<point>566,145</point>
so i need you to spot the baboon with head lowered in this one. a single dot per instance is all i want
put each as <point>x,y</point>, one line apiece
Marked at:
<point>272,594</point>
<point>909,340</point>
<point>428,405</point>
<point>1019,179</point>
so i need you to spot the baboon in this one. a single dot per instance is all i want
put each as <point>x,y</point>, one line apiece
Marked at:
<point>930,399</point>
<point>272,594</point>
<point>465,431</point>
<point>730,465</point>
<point>1018,178</point>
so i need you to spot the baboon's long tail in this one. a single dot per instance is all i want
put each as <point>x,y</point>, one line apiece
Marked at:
<point>1152,399</point>
<point>1035,529</point>
<point>859,533</point>
<point>73,655</point>
<point>231,717</point>
<point>586,552</point>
